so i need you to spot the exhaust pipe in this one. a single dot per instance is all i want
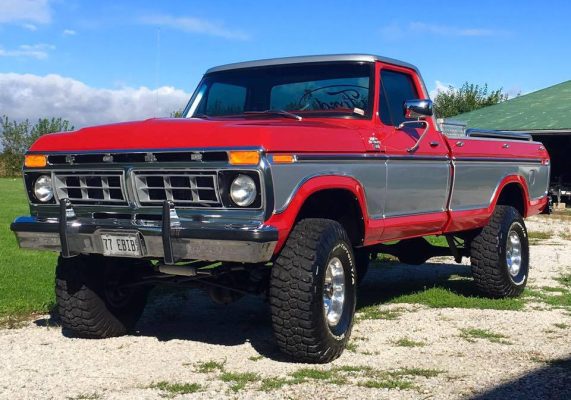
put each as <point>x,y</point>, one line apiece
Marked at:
<point>180,270</point>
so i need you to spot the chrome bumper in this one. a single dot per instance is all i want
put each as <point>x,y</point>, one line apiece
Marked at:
<point>171,240</point>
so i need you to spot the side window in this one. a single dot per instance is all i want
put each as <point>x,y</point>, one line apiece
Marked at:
<point>396,88</point>
<point>225,99</point>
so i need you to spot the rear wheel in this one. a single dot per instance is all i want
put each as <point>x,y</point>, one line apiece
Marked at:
<point>312,292</point>
<point>92,298</point>
<point>500,255</point>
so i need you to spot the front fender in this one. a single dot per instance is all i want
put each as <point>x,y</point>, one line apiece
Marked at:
<point>285,218</point>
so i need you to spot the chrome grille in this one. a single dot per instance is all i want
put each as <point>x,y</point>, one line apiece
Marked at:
<point>184,188</point>
<point>91,187</point>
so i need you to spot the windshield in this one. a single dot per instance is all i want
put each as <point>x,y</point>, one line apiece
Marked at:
<point>336,90</point>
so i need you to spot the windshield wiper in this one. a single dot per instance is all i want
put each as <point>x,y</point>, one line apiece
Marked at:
<point>281,113</point>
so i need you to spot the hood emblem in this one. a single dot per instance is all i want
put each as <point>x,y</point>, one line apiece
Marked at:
<point>150,157</point>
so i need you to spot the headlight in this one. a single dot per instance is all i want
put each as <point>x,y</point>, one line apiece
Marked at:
<point>43,189</point>
<point>243,190</point>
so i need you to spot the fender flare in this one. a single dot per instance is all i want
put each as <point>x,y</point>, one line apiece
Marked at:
<point>511,179</point>
<point>285,219</point>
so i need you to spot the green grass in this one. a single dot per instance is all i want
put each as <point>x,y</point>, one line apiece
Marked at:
<point>358,375</point>
<point>209,366</point>
<point>406,342</point>
<point>539,235</point>
<point>175,389</point>
<point>439,297</point>
<point>555,297</point>
<point>384,383</point>
<point>313,373</point>
<point>470,334</point>
<point>269,384</point>
<point>26,277</point>
<point>374,312</point>
<point>239,380</point>
<point>565,280</point>
<point>84,396</point>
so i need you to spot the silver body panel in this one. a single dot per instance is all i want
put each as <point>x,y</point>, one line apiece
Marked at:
<point>476,182</point>
<point>400,187</point>
<point>416,187</point>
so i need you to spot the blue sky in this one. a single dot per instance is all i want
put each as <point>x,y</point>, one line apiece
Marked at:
<point>115,48</point>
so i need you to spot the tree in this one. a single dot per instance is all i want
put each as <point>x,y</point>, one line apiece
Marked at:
<point>17,137</point>
<point>468,97</point>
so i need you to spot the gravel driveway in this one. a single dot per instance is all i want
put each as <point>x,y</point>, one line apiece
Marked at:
<point>187,344</point>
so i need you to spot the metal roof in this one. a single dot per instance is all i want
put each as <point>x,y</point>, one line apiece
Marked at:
<point>312,59</point>
<point>546,111</point>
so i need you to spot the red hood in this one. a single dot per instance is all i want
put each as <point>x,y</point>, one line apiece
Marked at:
<point>272,135</point>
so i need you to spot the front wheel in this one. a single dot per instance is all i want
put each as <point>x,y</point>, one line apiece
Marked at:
<point>313,292</point>
<point>92,298</point>
<point>500,255</point>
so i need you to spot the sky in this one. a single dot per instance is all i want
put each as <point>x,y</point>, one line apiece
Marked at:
<point>95,62</point>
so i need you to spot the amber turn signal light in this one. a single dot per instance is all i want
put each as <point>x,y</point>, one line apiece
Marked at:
<point>35,161</point>
<point>283,158</point>
<point>244,157</point>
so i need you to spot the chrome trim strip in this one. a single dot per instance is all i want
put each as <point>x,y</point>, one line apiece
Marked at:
<point>500,160</point>
<point>364,157</point>
<point>139,151</point>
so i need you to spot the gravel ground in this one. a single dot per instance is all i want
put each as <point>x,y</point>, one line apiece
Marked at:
<point>181,330</point>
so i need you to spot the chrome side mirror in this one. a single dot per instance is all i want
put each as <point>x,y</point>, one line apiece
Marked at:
<point>417,108</point>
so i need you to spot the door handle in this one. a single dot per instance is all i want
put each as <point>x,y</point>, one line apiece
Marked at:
<point>434,144</point>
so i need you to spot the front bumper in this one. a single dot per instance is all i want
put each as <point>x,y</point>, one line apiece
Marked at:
<point>171,239</point>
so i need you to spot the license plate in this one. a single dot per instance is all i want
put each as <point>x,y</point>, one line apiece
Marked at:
<point>121,244</point>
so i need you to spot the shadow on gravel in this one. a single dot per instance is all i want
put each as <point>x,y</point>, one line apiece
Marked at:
<point>550,382</point>
<point>190,315</point>
<point>386,281</point>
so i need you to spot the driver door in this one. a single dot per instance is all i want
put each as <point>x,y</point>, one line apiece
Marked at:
<point>418,180</point>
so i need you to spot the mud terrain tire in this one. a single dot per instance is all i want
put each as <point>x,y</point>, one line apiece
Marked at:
<point>305,323</point>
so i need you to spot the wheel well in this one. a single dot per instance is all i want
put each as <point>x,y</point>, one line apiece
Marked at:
<point>513,195</point>
<point>339,205</point>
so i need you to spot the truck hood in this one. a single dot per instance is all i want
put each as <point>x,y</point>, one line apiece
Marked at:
<point>275,135</point>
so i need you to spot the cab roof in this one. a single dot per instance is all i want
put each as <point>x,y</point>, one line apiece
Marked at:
<point>312,59</point>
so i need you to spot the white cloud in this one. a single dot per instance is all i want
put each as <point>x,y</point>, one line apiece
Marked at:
<point>439,87</point>
<point>37,11</point>
<point>398,31</point>
<point>195,25</point>
<point>444,30</point>
<point>69,32</point>
<point>30,27</point>
<point>38,51</point>
<point>31,96</point>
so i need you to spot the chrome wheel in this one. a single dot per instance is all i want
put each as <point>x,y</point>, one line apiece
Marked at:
<point>334,291</point>
<point>513,253</point>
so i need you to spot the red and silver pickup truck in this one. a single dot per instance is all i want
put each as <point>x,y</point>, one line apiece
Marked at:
<point>284,178</point>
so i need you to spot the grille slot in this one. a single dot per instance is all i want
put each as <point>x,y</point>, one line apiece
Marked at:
<point>186,189</point>
<point>91,188</point>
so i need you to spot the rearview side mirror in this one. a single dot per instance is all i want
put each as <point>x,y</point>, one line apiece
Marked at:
<point>417,108</point>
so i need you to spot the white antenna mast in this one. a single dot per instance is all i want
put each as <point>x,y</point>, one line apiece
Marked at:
<point>157,71</point>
